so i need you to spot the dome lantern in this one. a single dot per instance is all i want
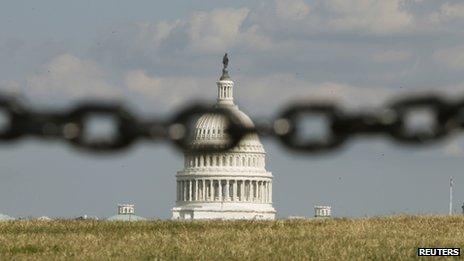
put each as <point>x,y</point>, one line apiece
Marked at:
<point>225,85</point>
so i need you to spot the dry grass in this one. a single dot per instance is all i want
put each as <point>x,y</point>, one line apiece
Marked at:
<point>394,238</point>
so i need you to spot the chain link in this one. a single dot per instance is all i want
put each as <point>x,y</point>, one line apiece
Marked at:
<point>392,121</point>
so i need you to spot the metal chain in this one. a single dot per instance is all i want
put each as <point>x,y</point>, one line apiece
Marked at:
<point>391,121</point>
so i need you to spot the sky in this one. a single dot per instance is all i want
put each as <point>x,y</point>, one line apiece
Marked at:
<point>157,56</point>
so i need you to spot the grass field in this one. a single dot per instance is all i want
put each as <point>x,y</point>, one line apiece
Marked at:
<point>336,239</point>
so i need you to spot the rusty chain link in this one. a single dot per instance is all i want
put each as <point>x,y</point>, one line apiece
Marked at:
<point>392,121</point>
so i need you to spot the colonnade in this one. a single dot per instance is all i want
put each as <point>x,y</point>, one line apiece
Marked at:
<point>225,91</point>
<point>234,190</point>
<point>214,160</point>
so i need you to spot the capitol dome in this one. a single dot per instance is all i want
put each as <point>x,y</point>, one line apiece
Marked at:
<point>210,128</point>
<point>224,185</point>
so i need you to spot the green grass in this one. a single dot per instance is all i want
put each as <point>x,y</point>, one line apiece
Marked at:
<point>395,238</point>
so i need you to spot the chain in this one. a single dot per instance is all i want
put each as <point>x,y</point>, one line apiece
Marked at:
<point>392,121</point>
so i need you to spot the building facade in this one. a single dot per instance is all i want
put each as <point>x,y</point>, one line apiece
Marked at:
<point>229,185</point>
<point>322,211</point>
<point>126,212</point>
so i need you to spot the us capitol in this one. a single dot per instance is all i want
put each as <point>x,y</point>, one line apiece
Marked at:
<point>224,185</point>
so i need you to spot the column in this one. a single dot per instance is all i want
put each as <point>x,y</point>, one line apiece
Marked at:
<point>257,191</point>
<point>267,191</point>
<point>227,198</point>
<point>270,192</point>
<point>252,191</point>
<point>192,194</point>
<point>196,190</point>
<point>190,190</point>
<point>220,190</point>
<point>262,191</point>
<point>248,192</point>
<point>181,190</point>
<point>242,190</point>
<point>177,191</point>
<point>211,190</point>
<point>234,192</point>
<point>203,192</point>
<point>184,188</point>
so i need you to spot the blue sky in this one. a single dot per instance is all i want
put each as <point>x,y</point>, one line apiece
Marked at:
<point>157,56</point>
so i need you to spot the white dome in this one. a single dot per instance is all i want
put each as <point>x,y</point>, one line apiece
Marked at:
<point>210,129</point>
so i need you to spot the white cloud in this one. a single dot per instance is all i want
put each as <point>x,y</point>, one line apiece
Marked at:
<point>448,12</point>
<point>217,30</point>
<point>454,149</point>
<point>167,92</point>
<point>279,27</point>
<point>263,93</point>
<point>10,87</point>
<point>391,56</point>
<point>292,9</point>
<point>202,32</point>
<point>154,34</point>
<point>138,81</point>
<point>67,76</point>
<point>372,16</point>
<point>451,57</point>
<point>255,93</point>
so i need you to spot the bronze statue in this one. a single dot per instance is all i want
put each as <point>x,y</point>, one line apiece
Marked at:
<point>225,61</point>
